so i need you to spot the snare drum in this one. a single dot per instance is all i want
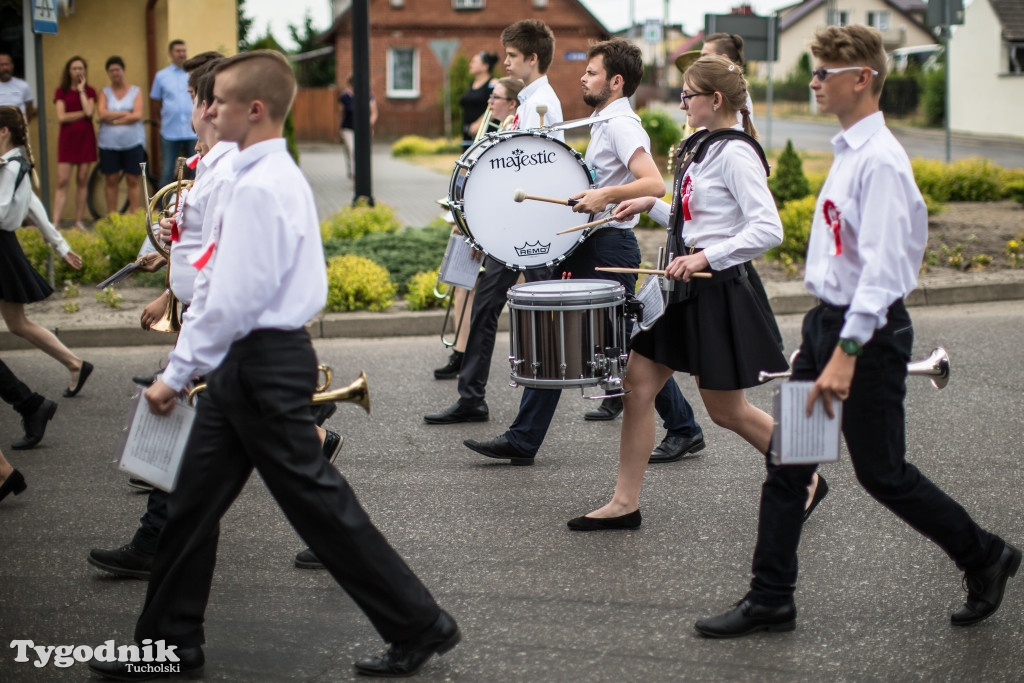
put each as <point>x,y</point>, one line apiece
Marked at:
<point>520,235</point>
<point>560,330</point>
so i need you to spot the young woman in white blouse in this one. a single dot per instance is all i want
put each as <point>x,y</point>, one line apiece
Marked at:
<point>718,334</point>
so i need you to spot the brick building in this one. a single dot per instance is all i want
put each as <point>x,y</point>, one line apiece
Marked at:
<point>408,81</point>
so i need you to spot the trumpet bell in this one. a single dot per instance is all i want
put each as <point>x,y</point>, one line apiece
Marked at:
<point>170,321</point>
<point>936,366</point>
<point>357,392</point>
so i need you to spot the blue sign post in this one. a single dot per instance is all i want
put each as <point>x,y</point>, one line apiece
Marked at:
<point>44,16</point>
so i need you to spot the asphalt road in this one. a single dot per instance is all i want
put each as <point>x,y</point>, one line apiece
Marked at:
<point>535,601</point>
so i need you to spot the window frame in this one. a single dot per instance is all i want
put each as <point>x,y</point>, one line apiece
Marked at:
<point>875,15</point>
<point>394,92</point>
<point>468,4</point>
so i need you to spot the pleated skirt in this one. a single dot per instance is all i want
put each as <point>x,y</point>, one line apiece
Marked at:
<point>19,281</point>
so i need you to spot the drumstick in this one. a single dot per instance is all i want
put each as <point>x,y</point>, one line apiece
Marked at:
<point>519,195</point>
<point>591,224</point>
<point>644,271</point>
<point>542,109</point>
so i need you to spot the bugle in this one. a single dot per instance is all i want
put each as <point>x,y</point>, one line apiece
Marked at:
<point>357,392</point>
<point>935,366</point>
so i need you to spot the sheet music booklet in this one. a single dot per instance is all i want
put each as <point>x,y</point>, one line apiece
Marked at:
<point>801,440</point>
<point>458,267</point>
<point>152,445</point>
<point>651,296</point>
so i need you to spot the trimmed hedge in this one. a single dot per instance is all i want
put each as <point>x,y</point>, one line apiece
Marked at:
<point>355,283</point>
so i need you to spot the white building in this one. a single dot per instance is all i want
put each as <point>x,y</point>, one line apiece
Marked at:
<point>987,69</point>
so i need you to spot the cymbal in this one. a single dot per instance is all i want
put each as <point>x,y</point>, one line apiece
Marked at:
<point>684,60</point>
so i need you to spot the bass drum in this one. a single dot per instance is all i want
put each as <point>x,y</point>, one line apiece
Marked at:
<point>520,235</point>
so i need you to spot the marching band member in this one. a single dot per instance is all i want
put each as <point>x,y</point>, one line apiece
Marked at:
<point>267,278</point>
<point>717,332</point>
<point>867,242</point>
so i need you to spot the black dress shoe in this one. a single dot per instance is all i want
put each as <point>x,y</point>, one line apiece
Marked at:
<point>144,380</point>
<point>985,588</point>
<point>405,659</point>
<point>820,491</point>
<point>674,448</point>
<point>322,412</point>
<point>459,412</point>
<point>190,664</point>
<point>307,559</point>
<point>609,409</point>
<point>83,375</point>
<point>140,484</point>
<point>126,561</point>
<point>332,445</point>
<point>451,369</point>
<point>35,425</point>
<point>499,448</point>
<point>14,483</point>
<point>746,618</point>
<point>628,521</point>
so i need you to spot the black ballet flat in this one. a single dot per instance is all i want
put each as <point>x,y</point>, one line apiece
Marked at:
<point>15,483</point>
<point>83,375</point>
<point>630,521</point>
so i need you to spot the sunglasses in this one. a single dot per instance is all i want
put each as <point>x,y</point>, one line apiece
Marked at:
<point>822,74</point>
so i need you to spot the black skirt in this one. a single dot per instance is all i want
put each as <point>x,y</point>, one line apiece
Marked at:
<point>719,333</point>
<point>20,283</point>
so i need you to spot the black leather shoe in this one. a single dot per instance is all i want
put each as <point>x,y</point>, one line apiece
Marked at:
<point>746,618</point>
<point>405,659</point>
<point>307,559</point>
<point>144,380</point>
<point>83,375</point>
<point>451,369</point>
<point>14,483</point>
<point>609,409</point>
<point>985,588</point>
<point>140,484</point>
<point>126,561</point>
<point>459,412</point>
<point>628,521</point>
<point>332,445</point>
<point>674,448</point>
<point>35,425</point>
<point>819,495</point>
<point>499,448</point>
<point>189,665</point>
<point>322,412</point>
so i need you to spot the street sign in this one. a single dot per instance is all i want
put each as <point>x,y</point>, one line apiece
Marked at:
<point>652,31</point>
<point>444,50</point>
<point>760,34</point>
<point>44,16</point>
<point>945,12</point>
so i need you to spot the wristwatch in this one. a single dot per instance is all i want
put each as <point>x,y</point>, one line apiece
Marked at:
<point>851,347</point>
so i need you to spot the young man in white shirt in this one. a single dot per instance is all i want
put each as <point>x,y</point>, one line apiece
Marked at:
<point>14,91</point>
<point>867,242</point>
<point>249,336</point>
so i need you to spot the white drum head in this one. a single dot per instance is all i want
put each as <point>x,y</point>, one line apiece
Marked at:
<point>522,234</point>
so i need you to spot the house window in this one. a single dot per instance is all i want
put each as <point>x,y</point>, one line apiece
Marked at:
<point>879,20</point>
<point>540,4</point>
<point>839,17</point>
<point>398,4</point>
<point>468,4</point>
<point>403,72</point>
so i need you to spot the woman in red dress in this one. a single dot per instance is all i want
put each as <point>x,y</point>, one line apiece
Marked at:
<point>76,145</point>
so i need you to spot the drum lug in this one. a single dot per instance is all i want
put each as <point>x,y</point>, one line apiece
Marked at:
<point>536,368</point>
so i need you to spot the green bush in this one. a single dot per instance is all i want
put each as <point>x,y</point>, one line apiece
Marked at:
<point>403,254</point>
<point>420,295</point>
<point>416,145</point>
<point>96,265</point>
<point>1014,189</point>
<point>796,216</point>
<point>815,181</point>
<point>788,181</point>
<point>122,235</point>
<point>966,180</point>
<point>662,129</point>
<point>933,99</point>
<point>355,283</point>
<point>900,94</point>
<point>353,222</point>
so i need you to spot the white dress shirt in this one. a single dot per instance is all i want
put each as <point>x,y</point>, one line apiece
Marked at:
<point>613,142</point>
<point>269,270</point>
<point>539,92</point>
<point>732,213</point>
<point>883,228</point>
<point>213,170</point>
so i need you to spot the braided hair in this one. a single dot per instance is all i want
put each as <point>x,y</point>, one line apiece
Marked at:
<point>14,121</point>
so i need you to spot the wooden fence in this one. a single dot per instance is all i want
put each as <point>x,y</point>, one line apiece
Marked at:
<point>315,115</point>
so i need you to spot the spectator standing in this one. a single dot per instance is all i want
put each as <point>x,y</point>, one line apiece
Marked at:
<point>76,144</point>
<point>14,91</point>
<point>170,89</point>
<point>475,100</point>
<point>121,136</point>
<point>347,110</point>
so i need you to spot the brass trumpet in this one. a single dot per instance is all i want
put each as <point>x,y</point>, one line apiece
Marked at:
<point>170,321</point>
<point>936,366</point>
<point>357,392</point>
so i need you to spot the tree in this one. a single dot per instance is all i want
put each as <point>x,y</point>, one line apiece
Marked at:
<point>789,182</point>
<point>244,26</point>
<point>312,73</point>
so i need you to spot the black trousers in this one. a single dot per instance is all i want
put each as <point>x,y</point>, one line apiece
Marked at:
<point>874,429</point>
<point>255,414</point>
<point>17,393</point>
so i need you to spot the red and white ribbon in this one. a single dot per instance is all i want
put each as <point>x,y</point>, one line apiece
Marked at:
<point>834,220</point>
<point>687,192</point>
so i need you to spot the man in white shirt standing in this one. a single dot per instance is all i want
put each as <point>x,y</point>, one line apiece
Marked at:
<point>867,242</point>
<point>14,91</point>
<point>170,89</point>
<point>249,336</point>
